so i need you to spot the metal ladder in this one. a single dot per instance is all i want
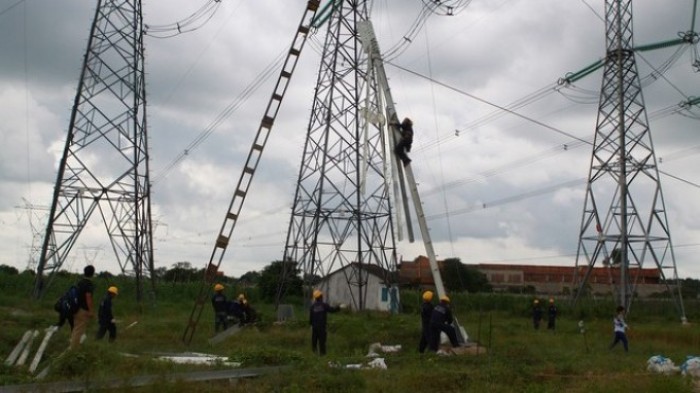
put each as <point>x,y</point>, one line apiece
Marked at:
<point>251,165</point>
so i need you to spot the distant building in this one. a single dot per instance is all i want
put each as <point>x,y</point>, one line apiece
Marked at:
<point>541,279</point>
<point>380,294</point>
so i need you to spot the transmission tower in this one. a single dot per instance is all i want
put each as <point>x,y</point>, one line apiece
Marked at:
<point>624,222</point>
<point>104,167</point>
<point>341,215</point>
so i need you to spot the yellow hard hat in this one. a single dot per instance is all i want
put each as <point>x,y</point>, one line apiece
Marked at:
<point>444,298</point>
<point>218,287</point>
<point>113,290</point>
<point>551,300</point>
<point>428,296</point>
<point>317,294</point>
<point>241,297</point>
<point>536,301</point>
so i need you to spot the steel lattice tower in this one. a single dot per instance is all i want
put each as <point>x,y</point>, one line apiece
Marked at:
<point>342,213</point>
<point>104,167</point>
<point>624,222</point>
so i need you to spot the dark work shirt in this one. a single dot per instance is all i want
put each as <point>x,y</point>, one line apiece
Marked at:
<point>441,315</point>
<point>426,312</point>
<point>218,301</point>
<point>406,133</point>
<point>105,312</point>
<point>84,286</point>
<point>317,314</point>
<point>537,313</point>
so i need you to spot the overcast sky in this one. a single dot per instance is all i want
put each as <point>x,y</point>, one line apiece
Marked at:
<point>500,189</point>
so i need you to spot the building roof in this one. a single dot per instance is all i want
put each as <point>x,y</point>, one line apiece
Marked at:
<point>417,272</point>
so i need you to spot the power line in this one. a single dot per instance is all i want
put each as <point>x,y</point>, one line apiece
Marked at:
<point>593,10</point>
<point>7,9</point>
<point>191,23</point>
<point>223,115</point>
<point>484,101</point>
<point>510,199</point>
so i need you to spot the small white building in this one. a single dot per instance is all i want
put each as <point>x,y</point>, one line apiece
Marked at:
<point>343,287</point>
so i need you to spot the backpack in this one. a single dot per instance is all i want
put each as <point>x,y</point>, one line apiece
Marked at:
<point>68,303</point>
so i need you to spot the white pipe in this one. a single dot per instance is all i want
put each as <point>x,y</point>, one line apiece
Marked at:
<point>18,348</point>
<point>25,353</point>
<point>40,352</point>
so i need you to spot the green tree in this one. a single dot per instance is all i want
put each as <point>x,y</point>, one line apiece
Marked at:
<point>459,277</point>
<point>183,272</point>
<point>8,270</point>
<point>271,279</point>
<point>249,279</point>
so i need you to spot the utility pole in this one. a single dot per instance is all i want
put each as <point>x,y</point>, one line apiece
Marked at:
<point>624,224</point>
<point>104,168</point>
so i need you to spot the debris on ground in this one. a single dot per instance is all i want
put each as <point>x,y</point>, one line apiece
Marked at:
<point>378,347</point>
<point>374,363</point>
<point>691,366</point>
<point>662,365</point>
<point>198,358</point>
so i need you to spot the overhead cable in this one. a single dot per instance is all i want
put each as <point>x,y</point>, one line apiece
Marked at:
<point>193,22</point>
<point>8,8</point>
<point>484,101</point>
<point>223,115</point>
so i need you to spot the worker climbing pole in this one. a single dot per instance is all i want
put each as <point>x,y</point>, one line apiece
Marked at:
<point>251,165</point>
<point>404,172</point>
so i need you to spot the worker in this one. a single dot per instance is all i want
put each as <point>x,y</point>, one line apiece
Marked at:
<point>404,144</point>
<point>218,301</point>
<point>246,313</point>
<point>536,314</point>
<point>426,312</point>
<point>620,328</point>
<point>551,314</point>
<point>85,313</point>
<point>441,322</point>
<point>105,317</point>
<point>317,318</point>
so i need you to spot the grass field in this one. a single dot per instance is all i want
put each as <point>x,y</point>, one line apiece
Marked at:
<point>518,358</point>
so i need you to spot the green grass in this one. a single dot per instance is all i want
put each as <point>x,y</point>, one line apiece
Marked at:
<point>519,359</point>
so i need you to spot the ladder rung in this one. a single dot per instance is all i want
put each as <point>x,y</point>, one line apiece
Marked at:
<point>286,74</point>
<point>248,170</point>
<point>294,52</point>
<point>231,216</point>
<point>277,97</point>
<point>240,193</point>
<point>303,30</point>
<point>313,5</point>
<point>267,122</point>
<point>222,241</point>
